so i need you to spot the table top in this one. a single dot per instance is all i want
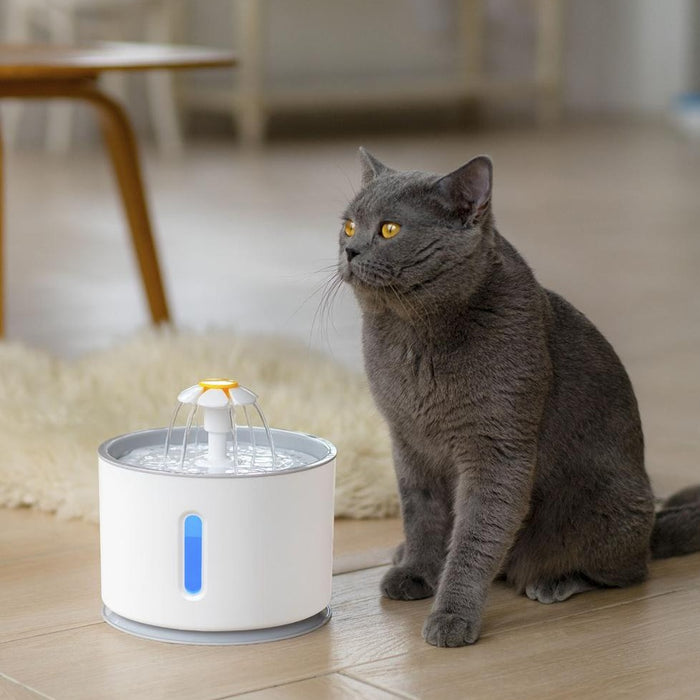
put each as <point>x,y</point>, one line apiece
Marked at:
<point>42,62</point>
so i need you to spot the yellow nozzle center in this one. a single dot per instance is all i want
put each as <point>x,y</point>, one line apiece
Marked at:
<point>219,383</point>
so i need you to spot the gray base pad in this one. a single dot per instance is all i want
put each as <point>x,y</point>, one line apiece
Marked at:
<point>165,634</point>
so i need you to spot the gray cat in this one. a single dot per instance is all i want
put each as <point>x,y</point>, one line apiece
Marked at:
<point>516,436</point>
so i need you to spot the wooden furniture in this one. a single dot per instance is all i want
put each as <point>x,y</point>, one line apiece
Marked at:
<point>255,98</point>
<point>45,72</point>
<point>67,22</point>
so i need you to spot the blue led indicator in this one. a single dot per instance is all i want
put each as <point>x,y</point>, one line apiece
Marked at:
<point>193,554</point>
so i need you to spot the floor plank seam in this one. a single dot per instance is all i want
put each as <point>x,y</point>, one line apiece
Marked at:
<point>51,632</point>
<point>372,684</point>
<point>282,684</point>
<point>348,670</point>
<point>25,686</point>
<point>260,688</point>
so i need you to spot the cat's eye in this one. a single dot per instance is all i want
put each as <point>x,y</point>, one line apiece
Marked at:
<point>349,228</point>
<point>390,229</point>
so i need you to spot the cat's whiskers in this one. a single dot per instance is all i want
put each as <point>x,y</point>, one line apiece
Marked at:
<point>329,292</point>
<point>319,288</point>
<point>323,311</point>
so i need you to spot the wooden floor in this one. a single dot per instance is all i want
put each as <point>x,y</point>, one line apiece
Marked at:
<point>641,642</point>
<point>607,215</point>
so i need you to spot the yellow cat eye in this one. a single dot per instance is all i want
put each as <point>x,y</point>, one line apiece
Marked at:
<point>390,229</point>
<point>349,228</point>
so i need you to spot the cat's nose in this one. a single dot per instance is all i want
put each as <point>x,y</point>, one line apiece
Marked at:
<point>351,253</point>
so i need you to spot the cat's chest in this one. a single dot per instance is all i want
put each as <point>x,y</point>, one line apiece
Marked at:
<point>412,381</point>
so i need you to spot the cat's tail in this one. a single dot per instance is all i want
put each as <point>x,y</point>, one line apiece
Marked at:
<point>677,527</point>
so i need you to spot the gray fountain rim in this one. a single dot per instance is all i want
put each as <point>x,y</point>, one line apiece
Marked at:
<point>141,437</point>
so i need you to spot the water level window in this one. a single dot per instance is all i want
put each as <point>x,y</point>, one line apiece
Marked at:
<point>193,554</point>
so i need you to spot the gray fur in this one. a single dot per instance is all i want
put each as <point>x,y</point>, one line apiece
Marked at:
<point>516,436</point>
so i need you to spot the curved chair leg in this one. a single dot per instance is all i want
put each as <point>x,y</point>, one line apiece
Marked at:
<point>121,144</point>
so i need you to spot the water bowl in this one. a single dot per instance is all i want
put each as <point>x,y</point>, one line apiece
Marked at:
<point>219,531</point>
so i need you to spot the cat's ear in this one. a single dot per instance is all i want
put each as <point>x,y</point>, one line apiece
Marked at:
<point>468,189</point>
<point>371,167</point>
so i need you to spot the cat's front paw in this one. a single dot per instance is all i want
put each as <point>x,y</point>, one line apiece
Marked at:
<point>449,630</point>
<point>405,583</point>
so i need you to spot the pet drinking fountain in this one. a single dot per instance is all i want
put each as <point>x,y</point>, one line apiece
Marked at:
<point>219,532</point>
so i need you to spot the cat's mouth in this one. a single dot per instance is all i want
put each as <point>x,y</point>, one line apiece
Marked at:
<point>366,274</point>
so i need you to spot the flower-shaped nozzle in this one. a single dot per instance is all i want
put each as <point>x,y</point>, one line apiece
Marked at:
<point>217,393</point>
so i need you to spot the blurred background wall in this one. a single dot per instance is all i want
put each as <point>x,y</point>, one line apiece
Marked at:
<point>619,58</point>
<point>628,56</point>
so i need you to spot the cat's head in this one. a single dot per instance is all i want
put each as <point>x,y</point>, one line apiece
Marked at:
<point>416,235</point>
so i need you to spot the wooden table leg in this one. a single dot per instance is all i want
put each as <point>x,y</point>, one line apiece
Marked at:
<point>123,152</point>
<point>121,144</point>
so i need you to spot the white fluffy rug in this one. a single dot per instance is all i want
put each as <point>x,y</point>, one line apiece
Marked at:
<point>54,414</point>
